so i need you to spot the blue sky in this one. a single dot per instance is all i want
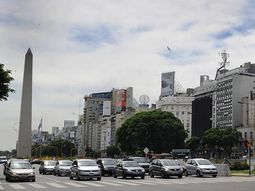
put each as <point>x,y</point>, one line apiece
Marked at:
<point>87,46</point>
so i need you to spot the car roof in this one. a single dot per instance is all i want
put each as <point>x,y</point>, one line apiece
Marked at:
<point>79,160</point>
<point>20,161</point>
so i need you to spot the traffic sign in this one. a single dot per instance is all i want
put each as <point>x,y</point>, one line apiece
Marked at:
<point>146,150</point>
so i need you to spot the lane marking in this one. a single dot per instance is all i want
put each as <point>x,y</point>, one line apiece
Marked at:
<point>35,185</point>
<point>53,184</point>
<point>1,188</point>
<point>75,185</point>
<point>17,186</point>
<point>111,184</point>
<point>92,184</point>
<point>126,183</point>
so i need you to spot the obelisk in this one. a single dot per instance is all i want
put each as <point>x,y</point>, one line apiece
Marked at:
<point>24,139</point>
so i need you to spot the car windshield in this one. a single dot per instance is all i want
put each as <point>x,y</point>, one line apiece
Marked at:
<point>87,163</point>
<point>169,163</point>
<point>141,160</point>
<point>49,163</point>
<point>130,164</point>
<point>204,162</point>
<point>65,163</point>
<point>109,162</point>
<point>180,162</point>
<point>21,166</point>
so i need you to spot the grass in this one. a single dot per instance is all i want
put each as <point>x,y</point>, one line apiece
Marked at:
<point>242,172</point>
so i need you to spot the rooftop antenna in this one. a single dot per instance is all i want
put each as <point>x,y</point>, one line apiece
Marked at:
<point>224,55</point>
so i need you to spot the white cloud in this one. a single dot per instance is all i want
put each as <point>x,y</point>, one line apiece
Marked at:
<point>67,66</point>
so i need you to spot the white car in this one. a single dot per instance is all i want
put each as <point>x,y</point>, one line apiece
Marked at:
<point>200,167</point>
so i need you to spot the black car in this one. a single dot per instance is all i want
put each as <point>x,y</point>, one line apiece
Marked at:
<point>129,169</point>
<point>165,168</point>
<point>107,165</point>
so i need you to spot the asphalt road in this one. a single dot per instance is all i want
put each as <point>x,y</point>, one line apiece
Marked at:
<point>191,183</point>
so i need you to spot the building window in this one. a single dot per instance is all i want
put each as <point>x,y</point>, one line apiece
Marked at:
<point>245,135</point>
<point>251,135</point>
<point>177,113</point>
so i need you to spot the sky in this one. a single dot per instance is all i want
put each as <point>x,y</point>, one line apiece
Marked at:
<point>85,46</point>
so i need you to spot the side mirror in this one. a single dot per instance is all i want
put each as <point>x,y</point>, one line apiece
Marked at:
<point>75,165</point>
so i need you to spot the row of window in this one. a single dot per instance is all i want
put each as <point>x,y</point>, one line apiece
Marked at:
<point>251,135</point>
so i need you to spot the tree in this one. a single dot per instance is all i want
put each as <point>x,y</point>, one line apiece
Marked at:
<point>63,147</point>
<point>160,131</point>
<point>113,150</point>
<point>221,139</point>
<point>193,143</point>
<point>5,80</point>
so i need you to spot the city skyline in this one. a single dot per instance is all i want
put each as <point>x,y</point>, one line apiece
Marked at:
<point>85,47</point>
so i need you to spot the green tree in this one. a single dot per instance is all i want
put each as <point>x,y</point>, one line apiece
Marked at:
<point>221,139</point>
<point>160,131</point>
<point>64,147</point>
<point>5,80</point>
<point>193,143</point>
<point>113,150</point>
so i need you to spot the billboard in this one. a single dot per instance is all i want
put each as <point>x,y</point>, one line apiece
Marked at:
<point>167,84</point>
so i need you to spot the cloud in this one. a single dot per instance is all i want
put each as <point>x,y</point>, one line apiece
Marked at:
<point>87,46</point>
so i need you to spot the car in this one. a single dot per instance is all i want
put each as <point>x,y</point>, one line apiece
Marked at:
<point>3,159</point>
<point>129,168</point>
<point>19,170</point>
<point>143,162</point>
<point>165,168</point>
<point>62,167</point>
<point>7,163</point>
<point>47,167</point>
<point>182,164</point>
<point>200,167</point>
<point>85,169</point>
<point>107,165</point>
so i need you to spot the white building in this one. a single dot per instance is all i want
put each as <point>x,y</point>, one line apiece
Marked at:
<point>181,107</point>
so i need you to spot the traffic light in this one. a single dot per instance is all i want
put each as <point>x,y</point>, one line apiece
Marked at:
<point>247,144</point>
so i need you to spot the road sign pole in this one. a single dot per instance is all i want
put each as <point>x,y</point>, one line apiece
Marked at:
<point>249,155</point>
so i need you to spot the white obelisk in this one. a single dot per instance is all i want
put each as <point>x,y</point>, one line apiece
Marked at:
<point>24,139</point>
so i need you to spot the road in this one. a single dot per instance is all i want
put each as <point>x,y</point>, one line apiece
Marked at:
<point>191,183</point>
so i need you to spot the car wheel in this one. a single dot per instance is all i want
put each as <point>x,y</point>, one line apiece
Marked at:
<point>180,176</point>
<point>123,176</point>
<point>71,177</point>
<point>151,174</point>
<point>33,180</point>
<point>162,174</point>
<point>214,176</point>
<point>99,178</point>
<point>185,173</point>
<point>59,174</point>
<point>7,178</point>
<point>115,175</point>
<point>198,173</point>
<point>142,177</point>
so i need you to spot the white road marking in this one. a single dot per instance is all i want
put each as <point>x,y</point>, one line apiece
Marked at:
<point>91,184</point>
<point>111,184</point>
<point>75,184</point>
<point>17,186</point>
<point>142,182</point>
<point>35,185</point>
<point>126,183</point>
<point>1,188</point>
<point>53,184</point>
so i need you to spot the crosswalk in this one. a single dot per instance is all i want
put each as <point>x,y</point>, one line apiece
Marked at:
<point>117,183</point>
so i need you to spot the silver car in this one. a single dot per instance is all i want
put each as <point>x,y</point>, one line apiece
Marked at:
<point>47,167</point>
<point>85,169</point>
<point>200,167</point>
<point>165,168</point>
<point>19,170</point>
<point>62,167</point>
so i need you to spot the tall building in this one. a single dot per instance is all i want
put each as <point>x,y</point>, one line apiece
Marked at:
<point>202,106</point>
<point>93,111</point>
<point>231,87</point>
<point>167,84</point>
<point>24,138</point>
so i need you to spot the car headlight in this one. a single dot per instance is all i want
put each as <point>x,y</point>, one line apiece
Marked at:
<point>143,170</point>
<point>32,173</point>
<point>13,173</point>
<point>165,168</point>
